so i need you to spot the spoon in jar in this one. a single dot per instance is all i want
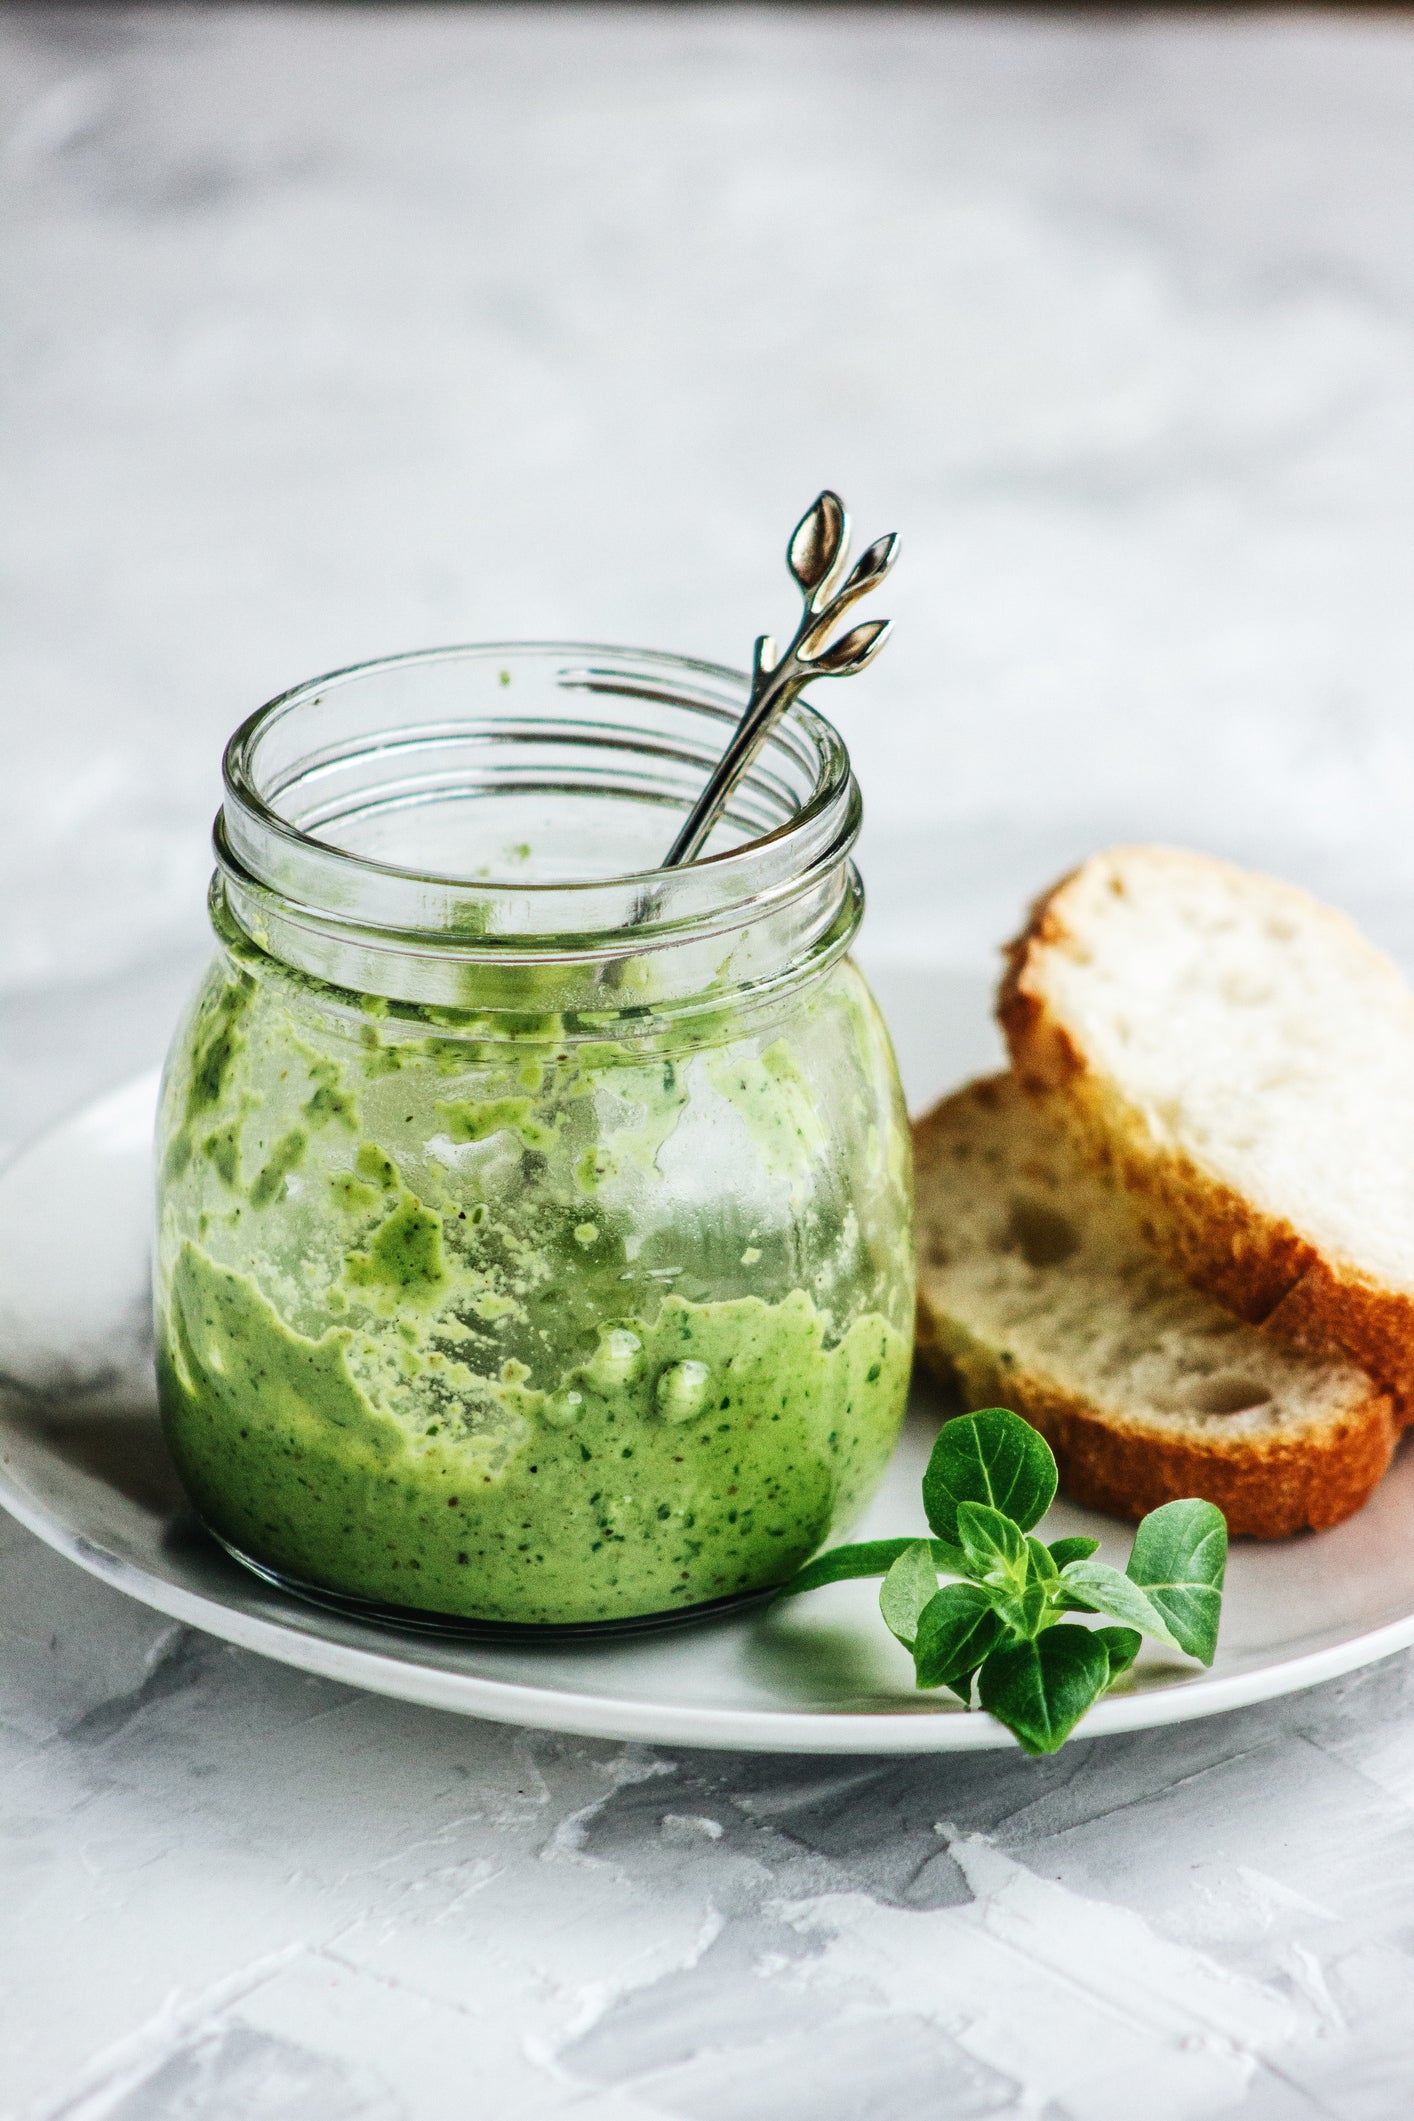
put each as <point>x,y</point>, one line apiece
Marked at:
<point>817,556</point>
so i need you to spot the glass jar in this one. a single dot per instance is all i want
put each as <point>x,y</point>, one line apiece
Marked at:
<point>534,1237</point>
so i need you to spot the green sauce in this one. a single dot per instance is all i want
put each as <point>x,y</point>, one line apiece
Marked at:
<point>701,1455</point>
<point>537,1326</point>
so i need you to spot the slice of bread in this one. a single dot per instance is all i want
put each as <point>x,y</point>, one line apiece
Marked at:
<point>1037,1292</point>
<point>1241,1059</point>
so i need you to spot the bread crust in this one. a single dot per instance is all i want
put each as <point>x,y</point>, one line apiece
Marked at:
<point>1256,1263</point>
<point>1125,1460</point>
<point>1267,1492</point>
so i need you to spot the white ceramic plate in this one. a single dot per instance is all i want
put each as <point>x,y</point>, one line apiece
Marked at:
<point>83,1465</point>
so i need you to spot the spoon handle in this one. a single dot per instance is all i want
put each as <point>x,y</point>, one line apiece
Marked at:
<point>817,555</point>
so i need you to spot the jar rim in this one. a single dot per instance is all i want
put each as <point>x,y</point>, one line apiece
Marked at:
<point>241,785</point>
<point>323,757</point>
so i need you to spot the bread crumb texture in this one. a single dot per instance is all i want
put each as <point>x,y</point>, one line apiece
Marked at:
<point>1038,1291</point>
<point>1239,1059</point>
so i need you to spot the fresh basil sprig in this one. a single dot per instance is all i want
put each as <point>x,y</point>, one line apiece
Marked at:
<point>1002,1623</point>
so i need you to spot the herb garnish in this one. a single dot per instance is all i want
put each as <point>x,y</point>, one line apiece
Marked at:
<point>991,1477</point>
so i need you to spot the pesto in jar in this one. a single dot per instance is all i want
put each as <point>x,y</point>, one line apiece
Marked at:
<point>532,1326</point>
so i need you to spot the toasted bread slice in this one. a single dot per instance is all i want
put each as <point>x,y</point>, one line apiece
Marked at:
<point>1037,1292</point>
<point>1241,1059</point>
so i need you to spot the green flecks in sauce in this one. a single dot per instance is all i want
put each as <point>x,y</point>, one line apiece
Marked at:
<point>329,1103</point>
<point>406,1255</point>
<point>596,1167</point>
<point>215,1041</point>
<point>704,1453</point>
<point>598,1366</point>
<point>222,1150</point>
<point>467,1122</point>
<point>284,1157</point>
<point>219,1040</point>
<point>379,1170</point>
<point>351,1195</point>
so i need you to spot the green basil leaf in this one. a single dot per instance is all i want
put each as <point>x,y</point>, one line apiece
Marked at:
<point>1041,1689</point>
<point>1097,1588</point>
<point>1023,1607</point>
<point>1042,1562</point>
<point>994,1458</point>
<point>957,1629</point>
<point>907,1588</point>
<point>1063,1551</point>
<point>1122,1647</point>
<point>1179,1560</point>
<point>990,1541</point>
<point>872,1557</point>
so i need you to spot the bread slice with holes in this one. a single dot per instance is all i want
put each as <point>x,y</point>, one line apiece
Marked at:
<point>1241,1059</point>
<point>1036,1291</point>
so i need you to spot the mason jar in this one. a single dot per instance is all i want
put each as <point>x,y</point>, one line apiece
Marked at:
<point>533,1223</point>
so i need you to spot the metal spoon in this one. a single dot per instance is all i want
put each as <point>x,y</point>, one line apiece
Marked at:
<point>817,556</point>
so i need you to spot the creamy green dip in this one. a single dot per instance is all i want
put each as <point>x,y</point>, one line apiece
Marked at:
<point>700,1456</point>
<point>538,1327</point>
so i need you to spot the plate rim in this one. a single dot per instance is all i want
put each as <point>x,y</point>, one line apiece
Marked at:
<point>823,1731</point>
<point>827,1730</point>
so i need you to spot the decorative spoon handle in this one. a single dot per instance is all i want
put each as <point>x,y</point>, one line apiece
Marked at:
<point>817,556</point>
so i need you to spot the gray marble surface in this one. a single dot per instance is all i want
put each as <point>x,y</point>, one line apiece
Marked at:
<point>332,332</point>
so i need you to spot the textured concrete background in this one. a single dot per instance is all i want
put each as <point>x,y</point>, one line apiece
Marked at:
<point>329,333</point>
